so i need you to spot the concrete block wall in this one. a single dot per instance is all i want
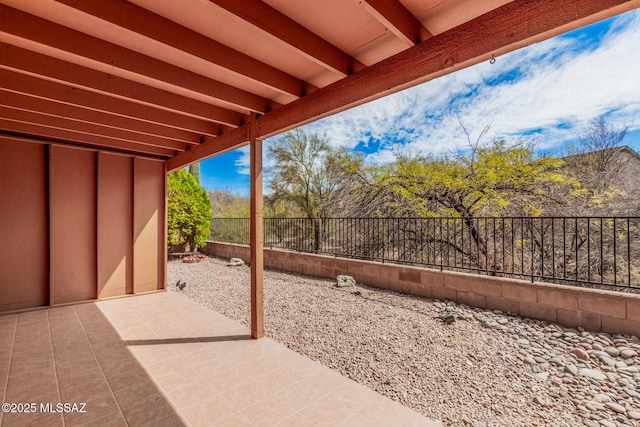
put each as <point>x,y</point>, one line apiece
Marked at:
<point>592,309</point>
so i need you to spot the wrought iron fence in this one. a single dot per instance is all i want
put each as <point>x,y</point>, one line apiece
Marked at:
<point>578,250</point>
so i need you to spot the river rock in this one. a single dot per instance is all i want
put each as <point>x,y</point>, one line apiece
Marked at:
<point>235,262</point>
<point>593,374</point>
<point>602,398</point>
<point>616,407</point>
<point>634,415</point>
<point>612,351</point>
<point>542,376</point>
<point>579,353</point>
<point>627,353</point>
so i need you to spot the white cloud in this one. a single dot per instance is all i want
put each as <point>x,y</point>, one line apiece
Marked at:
<point>559,85</point>
<point>243,162</point>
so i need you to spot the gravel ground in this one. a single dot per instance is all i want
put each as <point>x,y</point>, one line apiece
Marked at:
<point>461,365</point>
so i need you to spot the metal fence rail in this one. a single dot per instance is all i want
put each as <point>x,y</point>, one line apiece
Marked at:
<point>577,250</point>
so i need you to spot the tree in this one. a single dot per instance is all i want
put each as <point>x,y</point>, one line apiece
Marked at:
<point>495,179</point>
<point>301,176</point>
<point>227,205</point>
<point>194,170</point>
<point>188,211</point>
<point>594,158</point>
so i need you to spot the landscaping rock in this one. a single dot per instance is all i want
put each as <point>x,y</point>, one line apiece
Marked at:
<point>615,407</point>
<point>627,353</point>
<point>592,373</point>
<point>612,351</point>
<point>193,258</point>
<point>579,353</point>
<point>345,281</point>
<point>235,262</point>
<point>449,318</point>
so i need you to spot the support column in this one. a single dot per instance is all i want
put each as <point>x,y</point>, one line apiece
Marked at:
<point>257,235</point>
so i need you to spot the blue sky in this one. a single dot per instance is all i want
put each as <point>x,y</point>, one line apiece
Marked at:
<point>548,92</point>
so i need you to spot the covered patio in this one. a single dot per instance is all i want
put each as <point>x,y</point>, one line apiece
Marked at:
<point>100,100</point>
<point>164,360</point>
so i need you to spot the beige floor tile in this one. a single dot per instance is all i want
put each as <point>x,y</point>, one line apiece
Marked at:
<point>22,366</point>
<point>125,379</point>
<point>381,412</point>
<point>155,412</point>
<point>300,395</point>
<point>37,379</point>
<point>330,410</point>
<point>152,353</point>
<point>297,420</point>
<point>83,391</point>
<point>191,393</point>
<point>235,420</point>
<point>160,368</point>
<point>71,357</point>
<point>45,393</point>
<point>96,408</point>
<point>137,393</point>
<point>277,379</point>
<point>417,420</point>
<point>221,379</point>
<point>180,364</point>
<point>176,378</point>
<point>355,395</point>
<point>207,411</point>
<point>32,420</point>
<point>206,357</point>
<point>268,412</point>
<point>245,394</point>
<point>110,420</point>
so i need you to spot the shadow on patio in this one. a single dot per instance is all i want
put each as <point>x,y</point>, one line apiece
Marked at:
<point>162,359</point>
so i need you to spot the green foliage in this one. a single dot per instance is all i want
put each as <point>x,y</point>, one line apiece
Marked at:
<point>227,205</point>
<point>194,170</point>
<point>300,179</point>
<point>188,210</point>
<point>490,180</point>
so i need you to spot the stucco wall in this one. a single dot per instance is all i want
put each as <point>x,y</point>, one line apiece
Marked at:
<point>592,309</point>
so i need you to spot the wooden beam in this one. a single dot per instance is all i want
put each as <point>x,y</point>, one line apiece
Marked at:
<point>58,92</point>
<point>26,61</point>
<point>47,33</point>
<point>257,235</point>
<point>30,130</point>
<point>397,19</point>
<point>227,141</point>
<point>294,35</point>
<point>514,25</point>
<point>42,119</point>
<point>141,21</point>
<point>58,109</point>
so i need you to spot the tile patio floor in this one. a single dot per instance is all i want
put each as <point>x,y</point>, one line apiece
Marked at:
<point>164,360</point>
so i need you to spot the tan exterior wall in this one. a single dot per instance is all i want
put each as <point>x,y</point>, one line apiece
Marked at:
<point>73,224</point>
<point>77,224</point>
<point>592,309</point>
<point>24,235</point>
<point>149,224</point>
<point>115,225</point>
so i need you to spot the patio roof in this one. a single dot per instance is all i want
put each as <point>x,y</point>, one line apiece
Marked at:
<point>182,81</point>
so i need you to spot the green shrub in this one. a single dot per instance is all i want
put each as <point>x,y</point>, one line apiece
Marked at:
<point>188,210</point>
